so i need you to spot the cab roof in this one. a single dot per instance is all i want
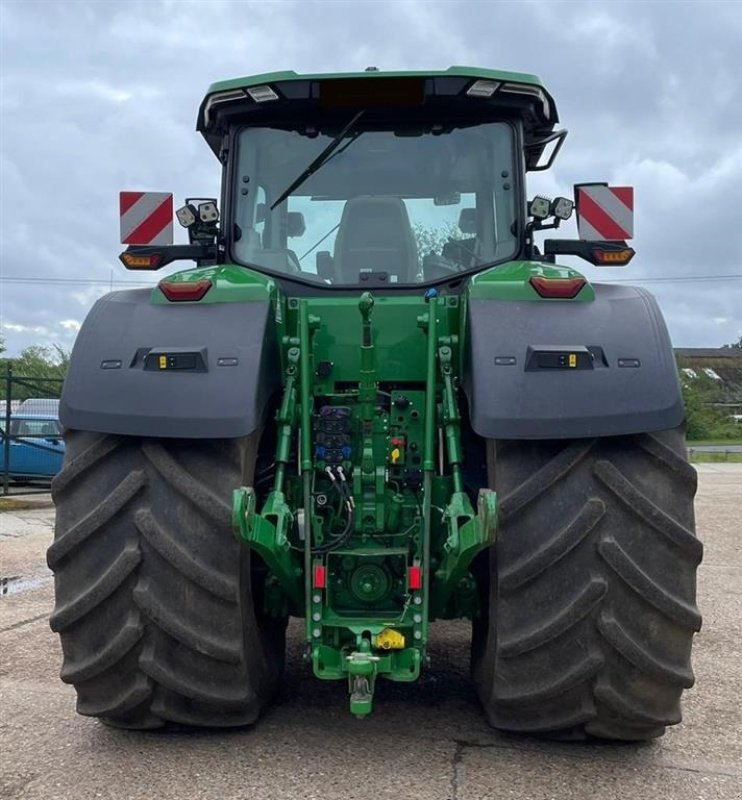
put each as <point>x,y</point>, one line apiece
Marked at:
<point>288,95</point>
<point>372,74</point>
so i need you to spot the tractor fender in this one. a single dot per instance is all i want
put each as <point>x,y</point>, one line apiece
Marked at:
<point>171,370</point>
<point>555,369</point>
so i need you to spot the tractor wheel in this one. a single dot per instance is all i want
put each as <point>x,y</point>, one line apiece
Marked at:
<point>154,594</point>
<point>590,593</point>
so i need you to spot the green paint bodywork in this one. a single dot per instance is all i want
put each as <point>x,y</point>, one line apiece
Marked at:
<point>290,75</point>
<point>390,365</point>
<point>231,284</point>
<point>510,281</point>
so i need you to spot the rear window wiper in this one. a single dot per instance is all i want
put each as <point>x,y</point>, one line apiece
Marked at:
<point>321,159</point>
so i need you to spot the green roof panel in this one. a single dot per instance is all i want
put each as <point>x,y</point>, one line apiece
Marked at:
<point>290,75</point>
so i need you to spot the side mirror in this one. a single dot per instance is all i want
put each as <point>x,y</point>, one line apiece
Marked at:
<point>451,199</point>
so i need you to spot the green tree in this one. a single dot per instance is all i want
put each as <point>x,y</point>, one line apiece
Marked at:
<point>431,240</point>
<point>37,372</point>
<point>734,345</point>
<point>700,392</point>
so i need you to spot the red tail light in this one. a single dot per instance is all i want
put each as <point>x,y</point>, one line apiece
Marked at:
<point>414,578</point>
<point>320,577</point>
<point>563,288</point>
<point>179,291</point>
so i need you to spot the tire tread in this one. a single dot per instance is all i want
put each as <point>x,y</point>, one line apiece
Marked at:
<point>591,610</point>
<point>153,597</point>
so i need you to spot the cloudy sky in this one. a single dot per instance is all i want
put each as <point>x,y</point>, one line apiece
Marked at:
<point>102,96</point>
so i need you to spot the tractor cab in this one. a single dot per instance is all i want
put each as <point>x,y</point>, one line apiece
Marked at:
<point>377,179</point>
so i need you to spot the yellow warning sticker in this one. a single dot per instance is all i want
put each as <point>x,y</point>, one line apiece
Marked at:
<point>573,359</point>
<point>163,362</point>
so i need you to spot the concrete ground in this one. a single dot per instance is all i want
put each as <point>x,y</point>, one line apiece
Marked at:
<point>428,740</point>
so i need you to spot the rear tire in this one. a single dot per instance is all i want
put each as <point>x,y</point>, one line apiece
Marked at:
<point>590,602</point>
<point>154,602</point>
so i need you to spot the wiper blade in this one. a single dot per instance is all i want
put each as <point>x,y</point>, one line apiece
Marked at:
<point>321,159</point>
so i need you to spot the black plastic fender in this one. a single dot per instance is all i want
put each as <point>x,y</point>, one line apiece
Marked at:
<point>220,368</point>
<point>556,369</point>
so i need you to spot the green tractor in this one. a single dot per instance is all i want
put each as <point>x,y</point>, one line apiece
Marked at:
<point>373,403</point>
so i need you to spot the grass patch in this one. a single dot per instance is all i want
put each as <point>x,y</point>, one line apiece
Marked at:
<point>715,458</point>
<point>11,504</point>
<point>721,442</point>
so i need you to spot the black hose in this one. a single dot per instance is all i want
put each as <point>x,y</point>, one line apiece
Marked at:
<point>340,540</point>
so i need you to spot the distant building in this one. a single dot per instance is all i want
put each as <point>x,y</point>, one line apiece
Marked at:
<point>723,365</point>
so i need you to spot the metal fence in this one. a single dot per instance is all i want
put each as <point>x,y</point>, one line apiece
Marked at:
<point>31,445</point>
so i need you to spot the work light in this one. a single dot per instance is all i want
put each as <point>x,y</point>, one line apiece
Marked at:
<point>539,207</point>
<point>562,208</point>
<point>207,212</point>
<point>186,215</point>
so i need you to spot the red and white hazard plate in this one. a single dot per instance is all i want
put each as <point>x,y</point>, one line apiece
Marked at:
<point>605,212</point>
<point>146,217</point>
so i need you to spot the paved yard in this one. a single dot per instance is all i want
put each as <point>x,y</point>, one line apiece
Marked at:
<point>427,741</point>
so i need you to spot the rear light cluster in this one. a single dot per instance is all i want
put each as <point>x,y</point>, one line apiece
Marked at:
<point>138,261</point>
<point>558,288</point>
<point>184,291</point>
<point>612,258</point>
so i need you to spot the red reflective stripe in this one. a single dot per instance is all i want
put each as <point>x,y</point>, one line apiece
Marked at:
<point>155,222</point>
<point>625,194</point>
<point>127,200</point>
<point>594,215</point>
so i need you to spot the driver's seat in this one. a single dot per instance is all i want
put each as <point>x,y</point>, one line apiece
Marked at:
<point>375,235</point>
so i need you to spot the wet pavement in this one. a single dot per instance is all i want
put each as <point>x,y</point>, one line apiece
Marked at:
<point>427,740</point>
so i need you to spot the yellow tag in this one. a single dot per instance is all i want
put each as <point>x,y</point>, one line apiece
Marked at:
<point>395,455</point>
<point>389,639</point>
<point>163,362</point>
<point>573,359</point>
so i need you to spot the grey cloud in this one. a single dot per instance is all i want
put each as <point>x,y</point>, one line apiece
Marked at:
<point>103,97</point>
